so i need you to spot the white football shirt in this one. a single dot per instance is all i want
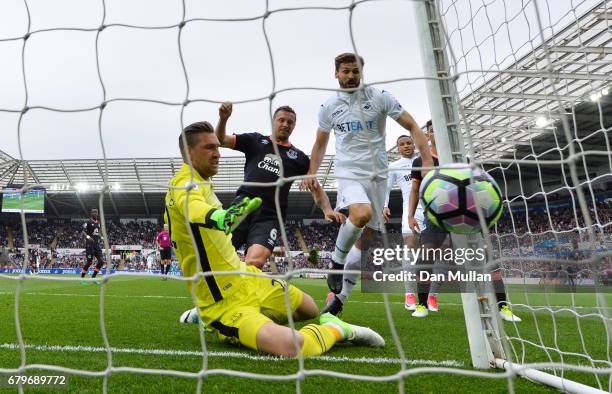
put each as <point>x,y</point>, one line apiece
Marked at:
<point>358,120</point>
<point>400,173</point>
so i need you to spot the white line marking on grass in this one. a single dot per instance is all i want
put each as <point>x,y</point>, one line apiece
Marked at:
<point>248,356</point>
<point>166,297</point>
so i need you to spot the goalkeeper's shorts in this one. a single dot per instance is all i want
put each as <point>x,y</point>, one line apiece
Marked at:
<point>238,318</point>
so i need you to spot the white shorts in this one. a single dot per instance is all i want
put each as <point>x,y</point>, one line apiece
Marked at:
<point>418,215</point>
<point>364,191</point>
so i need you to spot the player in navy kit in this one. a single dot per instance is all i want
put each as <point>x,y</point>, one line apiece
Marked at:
<point>260,231</point>
<point>91,231</point>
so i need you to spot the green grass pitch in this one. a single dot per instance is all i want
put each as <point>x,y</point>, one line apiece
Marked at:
<point>141,319</point>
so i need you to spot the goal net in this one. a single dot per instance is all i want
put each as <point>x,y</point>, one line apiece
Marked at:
<point>533,84</point>
<point>521,89</point>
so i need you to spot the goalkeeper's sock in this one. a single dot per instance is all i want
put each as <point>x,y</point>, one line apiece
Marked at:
<point>319,339</point>
<point>96,270</point>
<point>353,262</point>
<point>83,273</point>
<point>347,236</point>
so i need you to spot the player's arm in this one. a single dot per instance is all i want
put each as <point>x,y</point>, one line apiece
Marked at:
<point>85,234</point>
<point>386,210</point>
<point>322,201</point>
<point>225,111</point>
<point>420,141</point>
<point>413,202</point>
<point>199,212</point>
<point>316,157</point>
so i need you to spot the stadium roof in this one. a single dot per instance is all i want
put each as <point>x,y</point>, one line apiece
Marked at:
<point>520,106</point>
<point>73,185</point>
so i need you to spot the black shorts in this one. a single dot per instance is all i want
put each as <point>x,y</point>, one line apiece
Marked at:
<point>258,228</point>
<point>165,253</point>
<point>432,235</point>
<point>93,251</point>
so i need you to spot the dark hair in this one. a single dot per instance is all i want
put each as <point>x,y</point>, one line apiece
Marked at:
<point>191,131</point>
<point>285,108</point>
<point>347,58</point>
<point>400,137</point>
<point>429,123</point>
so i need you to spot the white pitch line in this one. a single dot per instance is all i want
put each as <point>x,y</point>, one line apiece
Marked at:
<point>241,355</point>
<point>166,297</point>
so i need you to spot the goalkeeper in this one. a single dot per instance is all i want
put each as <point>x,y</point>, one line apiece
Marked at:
<point>241,309</point>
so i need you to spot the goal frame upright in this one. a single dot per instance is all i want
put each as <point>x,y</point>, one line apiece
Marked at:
<point>442,99</point>
<point>486,338</point>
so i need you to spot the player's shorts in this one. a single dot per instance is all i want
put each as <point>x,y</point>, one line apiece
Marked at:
<point>366,191</point>
<point>420,219</point>
<point>165,254</point>
<point>432,235</point>
<point>257,228</point>
<point>93,251</point>
<point>238,318</point>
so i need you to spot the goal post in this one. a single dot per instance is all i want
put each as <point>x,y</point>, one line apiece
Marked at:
<point>498,113</point>
<point>443,107</point>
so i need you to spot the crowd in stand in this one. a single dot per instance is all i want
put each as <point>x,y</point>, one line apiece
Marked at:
<point>519,234</point>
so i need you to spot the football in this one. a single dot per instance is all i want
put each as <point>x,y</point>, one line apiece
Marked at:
<point>190,317</point>
<point>451,197</point>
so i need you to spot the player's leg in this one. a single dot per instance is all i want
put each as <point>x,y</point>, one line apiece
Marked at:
<point>89,260</point>
<point>410,240</point>
<point>351,194</point>
<point>271,295</point>
<point>273,300</point>
<point>375,194</point>
<point>336,302</point>
<point>99,264</point>
<point>261,239</point>
<point>432,238</point>
<point>505,313</point>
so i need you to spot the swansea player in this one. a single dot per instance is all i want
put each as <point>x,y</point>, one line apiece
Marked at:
<point>240,309</point>
<point>165,253</point>
<point>433,237</point>
<point>400,174</point>
<point>91,232</point>
<point>357,115</point>
<point>259,233</point>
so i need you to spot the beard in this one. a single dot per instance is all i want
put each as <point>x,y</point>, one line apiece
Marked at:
<point>349,84</point>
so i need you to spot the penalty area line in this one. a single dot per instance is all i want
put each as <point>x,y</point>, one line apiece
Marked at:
<point>239,355</point>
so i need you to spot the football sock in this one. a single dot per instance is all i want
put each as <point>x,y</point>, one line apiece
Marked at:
<point>353,262</point>
<point>96,270</point>
<point>409,285</point>
<point>500,292</point>
<point>319,339</point>
<point>85,269</point>
<point>423,292</point>
<point>347,236</point>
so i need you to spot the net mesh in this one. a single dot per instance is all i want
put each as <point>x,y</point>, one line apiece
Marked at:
<point>537,117</point>
<point>526,114</point>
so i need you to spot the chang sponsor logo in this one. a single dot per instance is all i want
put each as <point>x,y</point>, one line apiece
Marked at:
<point>270,163</point>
